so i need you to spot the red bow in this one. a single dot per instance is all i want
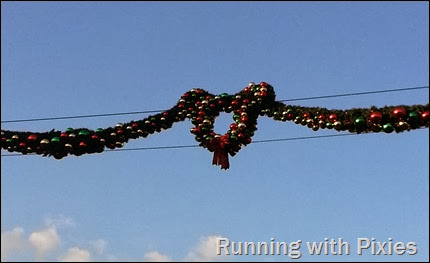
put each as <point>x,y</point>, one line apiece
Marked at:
<point>221,152</point>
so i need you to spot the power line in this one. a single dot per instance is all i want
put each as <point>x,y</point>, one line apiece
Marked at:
<point>356,93</point>
<point>195,145</point>
<point>157,111</point>
<point>83,116</point>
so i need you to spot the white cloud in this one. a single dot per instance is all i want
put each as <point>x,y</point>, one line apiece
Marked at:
<point>44,241</point>
<point>155,256</point>
<point>99,246</point>
<point>205,250</point>
<point>12,242</point>
<point>59,221</point>
<point>76,254</point>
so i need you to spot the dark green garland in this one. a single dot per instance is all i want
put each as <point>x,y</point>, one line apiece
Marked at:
<point>202,108</point>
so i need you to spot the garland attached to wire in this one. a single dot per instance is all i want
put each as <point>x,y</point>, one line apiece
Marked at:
<point>202,108</point>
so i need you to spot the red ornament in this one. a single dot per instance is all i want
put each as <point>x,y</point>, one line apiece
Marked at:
<point>243,118</point>
<point>185,96</point>
<point>321,117</point>
<point>240,136</point>
<point>332,117</point>
<point>399,113</point>
<point>94,137</point>
<point>263,94</point>
<point>235,103</point>
<point>181,106</point>
<point>135,125</point>
<point>22,144</point>
<point>82,144</point>
<point>246,89</point>
<point>245,101</point>
<point>196,130</point>
<point>306,115</point>
<point>64,135</point>
<point>233,126</point>
<point>425,116</point>
<point>263,84</point>
<point>30,138</point>
<point>375,117</point>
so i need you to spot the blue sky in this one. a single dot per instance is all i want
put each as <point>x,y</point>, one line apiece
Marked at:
<point>78,58</point>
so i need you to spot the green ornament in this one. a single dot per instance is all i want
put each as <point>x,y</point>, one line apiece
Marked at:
<point>359,122</point>
<point>69,130</point>
<point>413,117</point>
<point>55,139</point>
<point>224,95</point>
<point>388,128</point>
<point>83,133</point>
<point>99,130</point>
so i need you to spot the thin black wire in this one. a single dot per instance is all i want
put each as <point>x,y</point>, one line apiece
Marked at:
<point>156,111</point>
<point>83,116</point>
<point>356,93</point>
<point>195,145</point>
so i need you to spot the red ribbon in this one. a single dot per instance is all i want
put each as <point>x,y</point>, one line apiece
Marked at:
<point>220,152</point>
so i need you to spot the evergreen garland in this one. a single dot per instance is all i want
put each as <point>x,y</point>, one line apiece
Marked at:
<point>202,108</point>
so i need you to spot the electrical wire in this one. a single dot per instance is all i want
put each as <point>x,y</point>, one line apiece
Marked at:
<point>356,94</point>
<point>157,111</point>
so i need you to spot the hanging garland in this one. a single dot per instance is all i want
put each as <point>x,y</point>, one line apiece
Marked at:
<point>202,108</point>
